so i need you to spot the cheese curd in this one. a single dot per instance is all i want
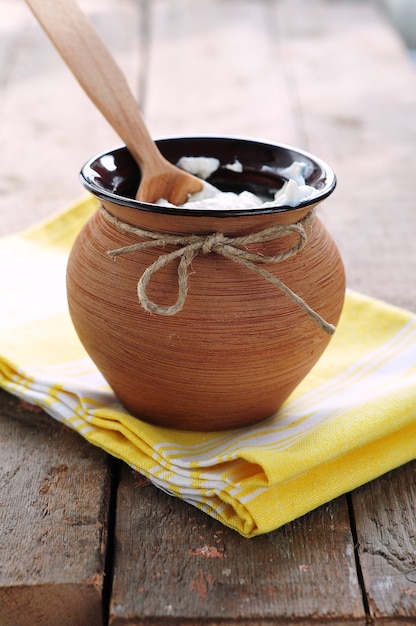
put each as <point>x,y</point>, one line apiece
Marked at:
<point>293,192</point>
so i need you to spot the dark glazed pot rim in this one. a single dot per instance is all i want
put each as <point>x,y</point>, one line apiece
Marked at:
<point>113,176</point>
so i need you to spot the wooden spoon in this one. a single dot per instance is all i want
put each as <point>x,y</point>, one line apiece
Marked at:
<point>99,75</point>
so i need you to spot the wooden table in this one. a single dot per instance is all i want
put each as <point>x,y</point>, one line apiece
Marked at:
<point>84,540</point>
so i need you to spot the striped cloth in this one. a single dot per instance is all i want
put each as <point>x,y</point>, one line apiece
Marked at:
<point>352,419</point>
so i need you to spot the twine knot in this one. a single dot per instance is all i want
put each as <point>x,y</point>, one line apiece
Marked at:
<point>211,241</point>
<point>233,248</point>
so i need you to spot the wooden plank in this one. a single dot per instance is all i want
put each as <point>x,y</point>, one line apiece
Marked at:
<point>271,61</point>
<point>215,70</point>
<point>356,87</point>
<point>54,490</point>
<point>385,514</point>
<point>54,499</point>
<point>173,564</point>
<point>289,54</point>
<point>241,61</point>
<point>48,127</point>
<point>357,90</point>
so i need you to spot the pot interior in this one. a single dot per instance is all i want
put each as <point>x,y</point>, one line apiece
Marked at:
<point>114,176</point>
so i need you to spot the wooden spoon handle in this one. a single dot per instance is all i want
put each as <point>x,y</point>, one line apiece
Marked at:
<point>98,74</point>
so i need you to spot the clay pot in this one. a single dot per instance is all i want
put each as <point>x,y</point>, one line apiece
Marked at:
<point>240,345</point>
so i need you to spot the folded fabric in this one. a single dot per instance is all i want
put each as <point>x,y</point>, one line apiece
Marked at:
<point>352,419</point>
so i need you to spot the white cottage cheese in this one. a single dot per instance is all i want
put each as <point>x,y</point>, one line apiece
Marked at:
<point>293,192</point>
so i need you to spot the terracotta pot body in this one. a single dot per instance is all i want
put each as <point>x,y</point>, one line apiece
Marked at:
<point>239,346</point>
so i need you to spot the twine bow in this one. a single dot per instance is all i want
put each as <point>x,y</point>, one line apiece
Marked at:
<point>229,247</point>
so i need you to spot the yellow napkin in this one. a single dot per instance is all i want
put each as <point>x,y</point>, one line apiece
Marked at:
<point>352,419</point>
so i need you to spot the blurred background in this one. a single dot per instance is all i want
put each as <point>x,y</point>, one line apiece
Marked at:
<point>403,15</point>
<point>335,77</point>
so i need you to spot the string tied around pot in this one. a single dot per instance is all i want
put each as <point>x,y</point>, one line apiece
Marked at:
<point>232,248</point>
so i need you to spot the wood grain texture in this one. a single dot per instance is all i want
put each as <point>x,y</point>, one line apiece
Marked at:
<point>218,70</point>
<point>356,90</point>
<point>385,516</point>
<point>54,497</point>
<point>174,565</point>
<point>48,127</point>
<point>85,54</point>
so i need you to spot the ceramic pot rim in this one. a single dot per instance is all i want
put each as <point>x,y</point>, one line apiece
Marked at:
<point>91,176</point>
